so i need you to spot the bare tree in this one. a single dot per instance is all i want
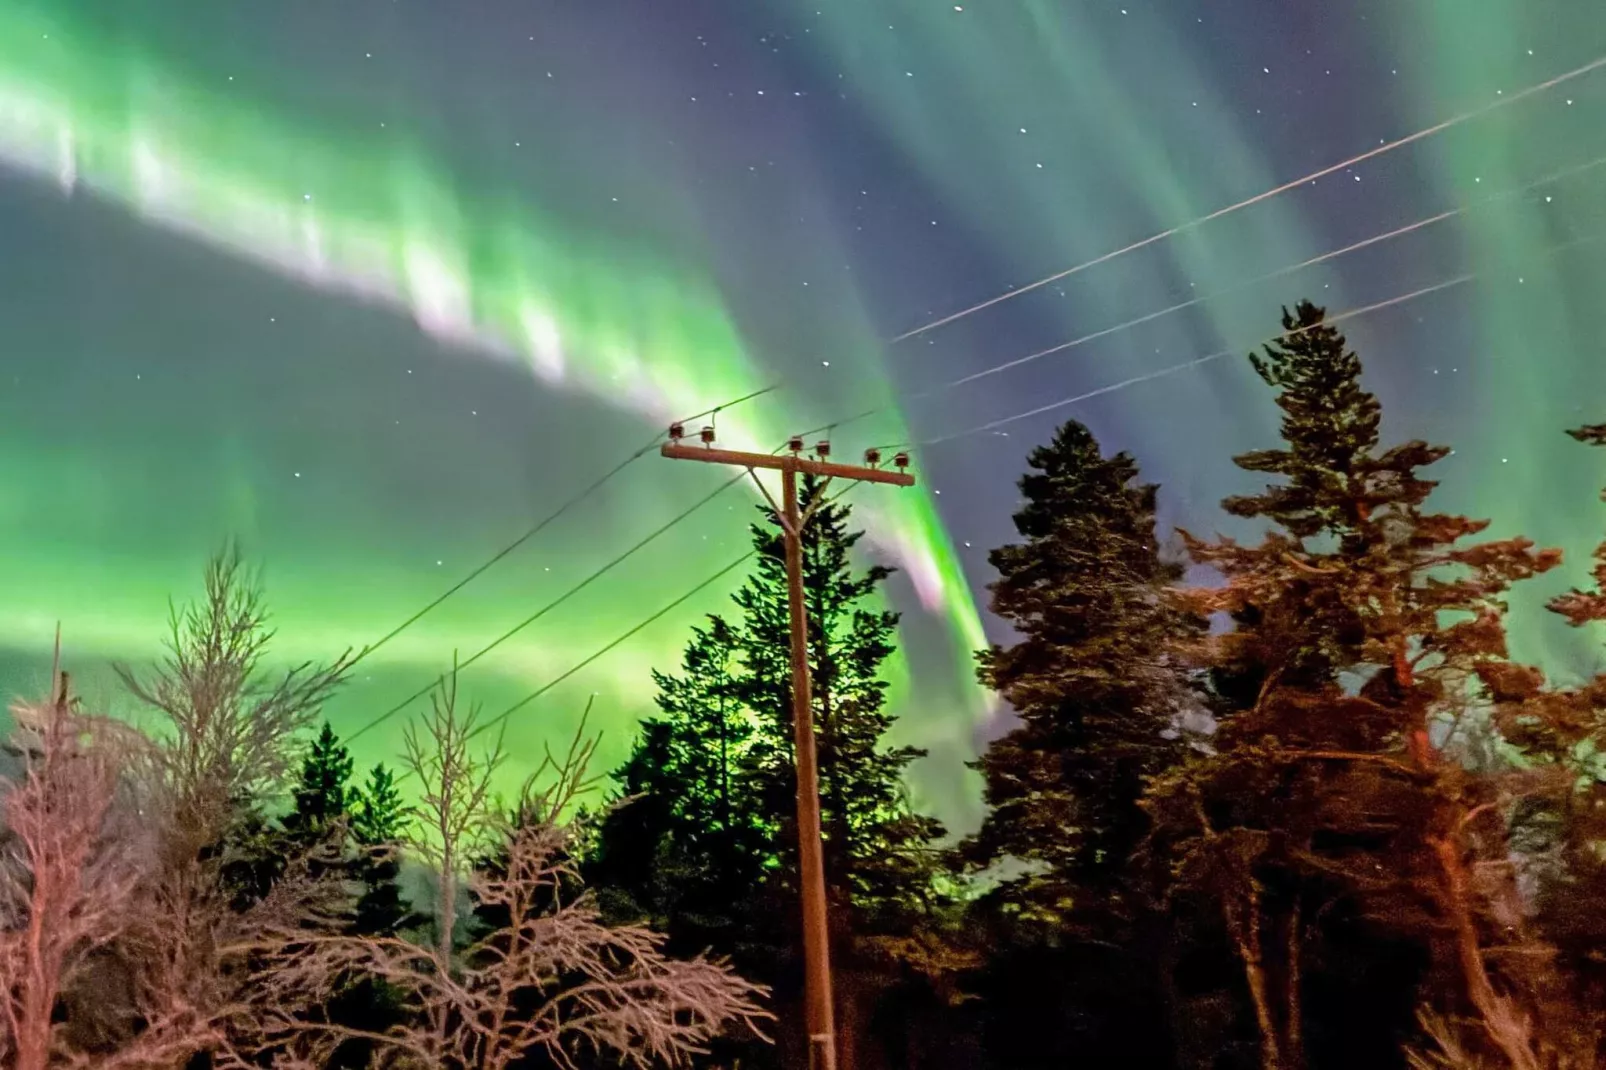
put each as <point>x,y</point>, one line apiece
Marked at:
<point>454,817</point>
<point>229,728</point>
<point>226,737</point>
<point>552,976</point>
<point>70,868</point>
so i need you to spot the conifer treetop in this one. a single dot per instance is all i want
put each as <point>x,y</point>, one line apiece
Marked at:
<point>1330,428</point>
<point>378,813</point>
<point>1089,680</point>
<point>322,794</point>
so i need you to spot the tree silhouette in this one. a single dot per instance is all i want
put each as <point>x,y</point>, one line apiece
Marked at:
<point>1094,680</point>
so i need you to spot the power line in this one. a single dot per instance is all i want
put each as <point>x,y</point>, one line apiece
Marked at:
<point>611,644</point>
<point>544,523</point>
<point>1184,366</point>
<point>556,602</point>
<point>1365,243</point>
<point>1200,221</point>
<point>1173,369</point>
<point>1333,254</point>
<point>634,629</point>
<point>1193,224</point>
<point>529,534</point>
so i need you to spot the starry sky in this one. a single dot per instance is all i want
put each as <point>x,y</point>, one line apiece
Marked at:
<point>375,286</point>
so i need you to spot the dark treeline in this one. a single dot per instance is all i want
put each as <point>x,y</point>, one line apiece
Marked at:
<point>1308,815</point>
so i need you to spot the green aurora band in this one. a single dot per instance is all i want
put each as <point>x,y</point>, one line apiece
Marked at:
<point>367,216</point>
<point>1181,139</point>
<point>1050,133</point>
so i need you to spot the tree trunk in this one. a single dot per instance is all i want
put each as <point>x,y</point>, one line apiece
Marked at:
<point>39,982</point>
<point>448,904</point>
<point>1502,1019</point>
<point>847,1021</point>
<point>1246,934</point>
<point>1293,1009</point>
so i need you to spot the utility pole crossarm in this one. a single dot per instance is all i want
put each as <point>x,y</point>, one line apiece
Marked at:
<point>781,462</point>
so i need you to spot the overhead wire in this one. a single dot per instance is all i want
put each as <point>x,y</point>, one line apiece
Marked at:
<point>1503,101</point>
<point>588,580</point>
<point>1364,243</point>
<point>634,629</point>
<point>1173,369</point>
<point>544,523</point>
<point>612,473</point>
<point>1321,258</point>
<point>638,627</point>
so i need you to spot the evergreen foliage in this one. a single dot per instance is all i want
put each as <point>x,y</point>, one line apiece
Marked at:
<point>688,846</point>
<point>322,795</point>
<point>1371,630</point>
<point>1585,607</point>
<point>1093,679</point>
<point>876,845</point>
<point>1308,815</point>
<point>704,840</point>
<point>710,790</point>
<point>378,823</point>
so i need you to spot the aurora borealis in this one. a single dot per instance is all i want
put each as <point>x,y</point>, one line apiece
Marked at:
<point>375,286</point>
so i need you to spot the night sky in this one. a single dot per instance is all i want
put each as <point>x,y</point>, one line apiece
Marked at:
<point>374,286</point>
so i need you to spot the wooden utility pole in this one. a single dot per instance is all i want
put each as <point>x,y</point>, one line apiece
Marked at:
<point>819,1013</point>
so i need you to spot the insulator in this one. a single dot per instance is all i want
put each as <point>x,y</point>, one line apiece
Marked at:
<point>707,435</point>
<point>901,460</point>
<point>677,431</point>
<point>872,457</point>
<point>795,443</point>
<point>823,449</point>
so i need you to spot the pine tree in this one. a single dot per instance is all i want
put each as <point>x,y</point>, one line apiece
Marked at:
<point>711,780</point>
<point>1092,679</point>
<point>322,795</point>
<point>378,817</point>
<point>880,865</point>
<point>705,846</point>
<point>1561,835</point>
<point>686,844</point>
<point>314,830</point>
<point>627,862</point>
<point>1319,797</point>
<point>877,847</point>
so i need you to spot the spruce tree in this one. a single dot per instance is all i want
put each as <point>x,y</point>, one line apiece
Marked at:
<point>627,863</point>
<point>1563,834</point>
<point>711,778</point>
<point>322,793</point>
<point>378,819</point>
<point>706,845</point>
<point>1093,679</point>
<point>877,847</point>
<point>258,849</point>
<point>686,844</point>
<point>715,832</point>
<point>1075,951</point>
<point>1368,627</point>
